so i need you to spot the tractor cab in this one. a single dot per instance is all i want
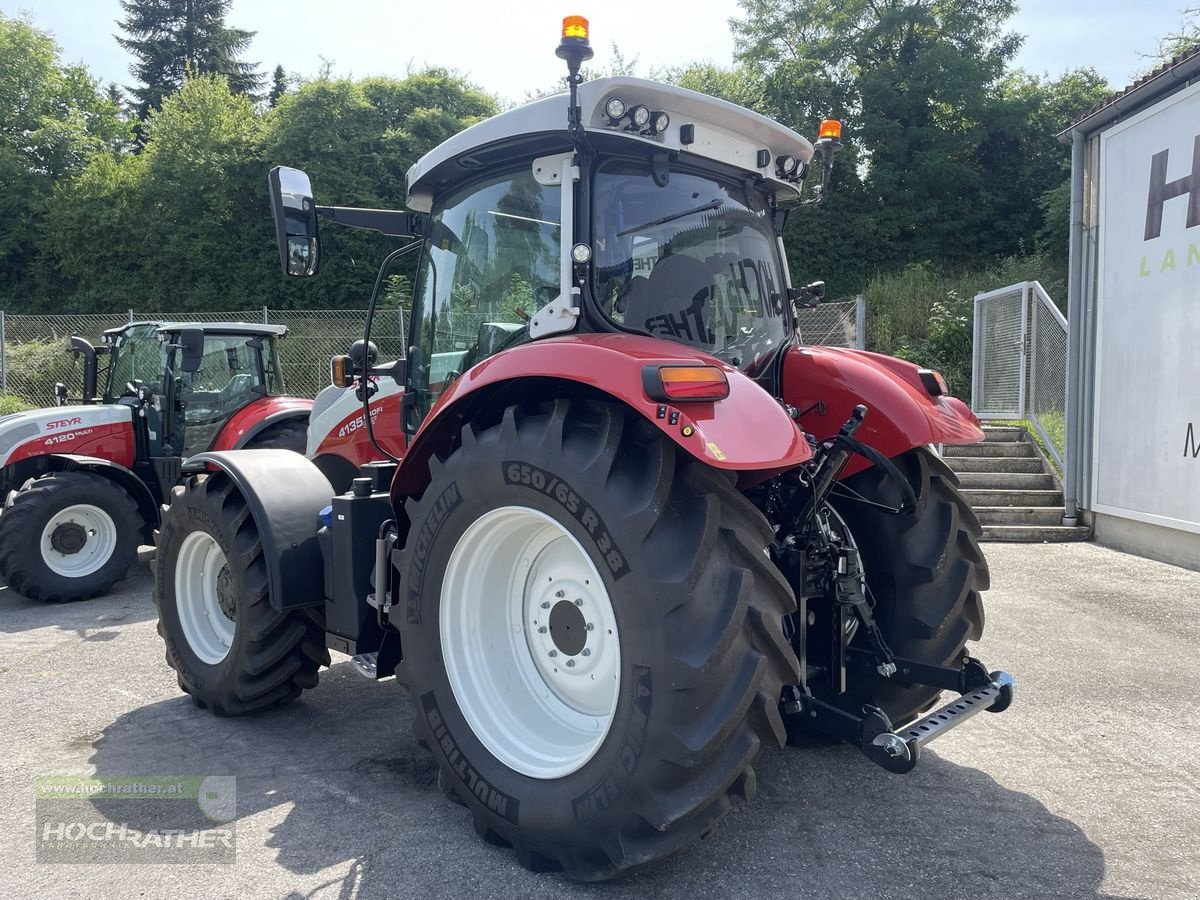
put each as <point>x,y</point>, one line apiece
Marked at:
<point>187,381</point>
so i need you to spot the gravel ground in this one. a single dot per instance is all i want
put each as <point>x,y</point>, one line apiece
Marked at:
<point>1086,787</point>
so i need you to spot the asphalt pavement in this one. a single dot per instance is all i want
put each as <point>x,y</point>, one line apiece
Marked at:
<point>1086,787</point>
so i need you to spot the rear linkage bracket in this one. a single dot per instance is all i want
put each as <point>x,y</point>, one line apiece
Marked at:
<point>870,729</point>
<point>898,750</point>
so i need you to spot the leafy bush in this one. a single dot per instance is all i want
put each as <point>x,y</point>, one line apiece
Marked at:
<point>33,367</point>
<point>10,404</point>
<point>925,314</point>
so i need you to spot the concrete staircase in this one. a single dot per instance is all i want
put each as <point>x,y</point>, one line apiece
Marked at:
<point>1014,490</point>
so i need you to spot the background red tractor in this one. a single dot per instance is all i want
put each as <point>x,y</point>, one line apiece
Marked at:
<point>84,481</point>
<point>640,533</point>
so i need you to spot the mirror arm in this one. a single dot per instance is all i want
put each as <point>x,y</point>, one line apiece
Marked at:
<point>392,222</point>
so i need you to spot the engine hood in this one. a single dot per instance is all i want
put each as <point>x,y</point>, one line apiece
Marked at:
<point>54,429</point>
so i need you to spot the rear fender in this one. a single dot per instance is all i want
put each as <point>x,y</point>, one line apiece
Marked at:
<point>284,493</point>
<point>261,414</point>
<point>826,383</point>
<point>747,433</point>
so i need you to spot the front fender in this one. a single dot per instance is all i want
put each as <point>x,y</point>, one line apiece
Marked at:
<point>748,431</point>
<point>826,383</point>
<point>284,493</point>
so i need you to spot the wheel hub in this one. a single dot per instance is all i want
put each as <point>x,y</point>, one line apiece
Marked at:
<point>78,540</point>
<point>568,629</point>
<point>68,538</point>
<point>227,593</point>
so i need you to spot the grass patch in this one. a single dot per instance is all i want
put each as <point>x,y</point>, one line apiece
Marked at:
<point>1055,425</point>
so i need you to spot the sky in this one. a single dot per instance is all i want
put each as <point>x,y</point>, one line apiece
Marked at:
<point>509,48</point>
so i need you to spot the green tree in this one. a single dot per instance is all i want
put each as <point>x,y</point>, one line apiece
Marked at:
<point>915,82</point>
<point>171,39</point>
<point>740,85</point>
<point>357,139</point>
<point>177,226</point>
<point>1186,37</point>
<point>1028,188</point>
<point>53,118</point>
<point>279,86</point>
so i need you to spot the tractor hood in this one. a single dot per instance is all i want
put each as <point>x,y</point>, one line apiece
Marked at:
<point>61,429</point>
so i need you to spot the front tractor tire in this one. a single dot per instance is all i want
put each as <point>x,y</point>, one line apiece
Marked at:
<point>233,652</point>
<point>592,637</point>
<point>68,536</point>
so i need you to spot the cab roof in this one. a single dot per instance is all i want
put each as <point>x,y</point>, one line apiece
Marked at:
<point>720,130</point>
<point>252,328</point>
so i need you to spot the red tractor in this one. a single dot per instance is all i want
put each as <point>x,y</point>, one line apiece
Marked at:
<point>85,483</point>
<point>639,533</point>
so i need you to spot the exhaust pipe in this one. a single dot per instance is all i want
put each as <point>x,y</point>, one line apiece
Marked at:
<point>82,347</point>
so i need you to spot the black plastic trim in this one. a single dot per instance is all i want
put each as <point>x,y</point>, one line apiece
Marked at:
<point>284,492</point>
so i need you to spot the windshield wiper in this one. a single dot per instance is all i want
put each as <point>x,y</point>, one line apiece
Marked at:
<point>712,204</point>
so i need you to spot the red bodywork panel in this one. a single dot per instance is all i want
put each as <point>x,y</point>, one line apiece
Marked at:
<point>350,441</point>
<point>249,416</point>
<point>112,441</point>
<point>901,413</point>
<point>746,431</point>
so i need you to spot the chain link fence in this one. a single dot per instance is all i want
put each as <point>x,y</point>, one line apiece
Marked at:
<point>33,353</point>
<point>837,324</point>
<point>1020,361</point>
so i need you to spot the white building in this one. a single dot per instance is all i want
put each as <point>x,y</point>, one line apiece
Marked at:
<point>1133,409</point>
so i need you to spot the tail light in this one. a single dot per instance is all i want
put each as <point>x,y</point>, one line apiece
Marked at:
<point>682,383</point>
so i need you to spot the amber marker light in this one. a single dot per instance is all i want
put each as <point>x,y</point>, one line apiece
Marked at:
<point>340,371</point>
<point>575,27</point>
<point>665,383</point>
<point>830,130</point>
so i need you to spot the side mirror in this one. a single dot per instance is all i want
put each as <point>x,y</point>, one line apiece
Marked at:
<point>191,346</point>
<point>295,221</point>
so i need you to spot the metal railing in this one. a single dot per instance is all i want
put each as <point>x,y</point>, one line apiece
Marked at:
<point>33,347</point>
<point>1020,361</point>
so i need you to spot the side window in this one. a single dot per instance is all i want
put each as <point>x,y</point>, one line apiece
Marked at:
<point>228,378</point>
<point>490,262</point>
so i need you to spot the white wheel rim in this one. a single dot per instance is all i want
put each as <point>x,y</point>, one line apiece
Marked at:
<point>206,626</point>
<point>538,692</point>
<point>78,540</point>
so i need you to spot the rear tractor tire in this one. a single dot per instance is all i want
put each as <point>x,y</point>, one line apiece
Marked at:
<point>924,571</point>
<point>233,652</point>
<point>285,436</point>
<point>68,536</point>
<point>592,636</point>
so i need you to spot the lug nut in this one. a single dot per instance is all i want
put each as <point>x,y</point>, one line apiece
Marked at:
<point>545,604</point>
<point>553,653</point>
<point>560,593</point>
<point>585,652</point>
<point>570,663</point>
<point>542,629</point>
<point>578,602</point>
<point>590,626</point>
